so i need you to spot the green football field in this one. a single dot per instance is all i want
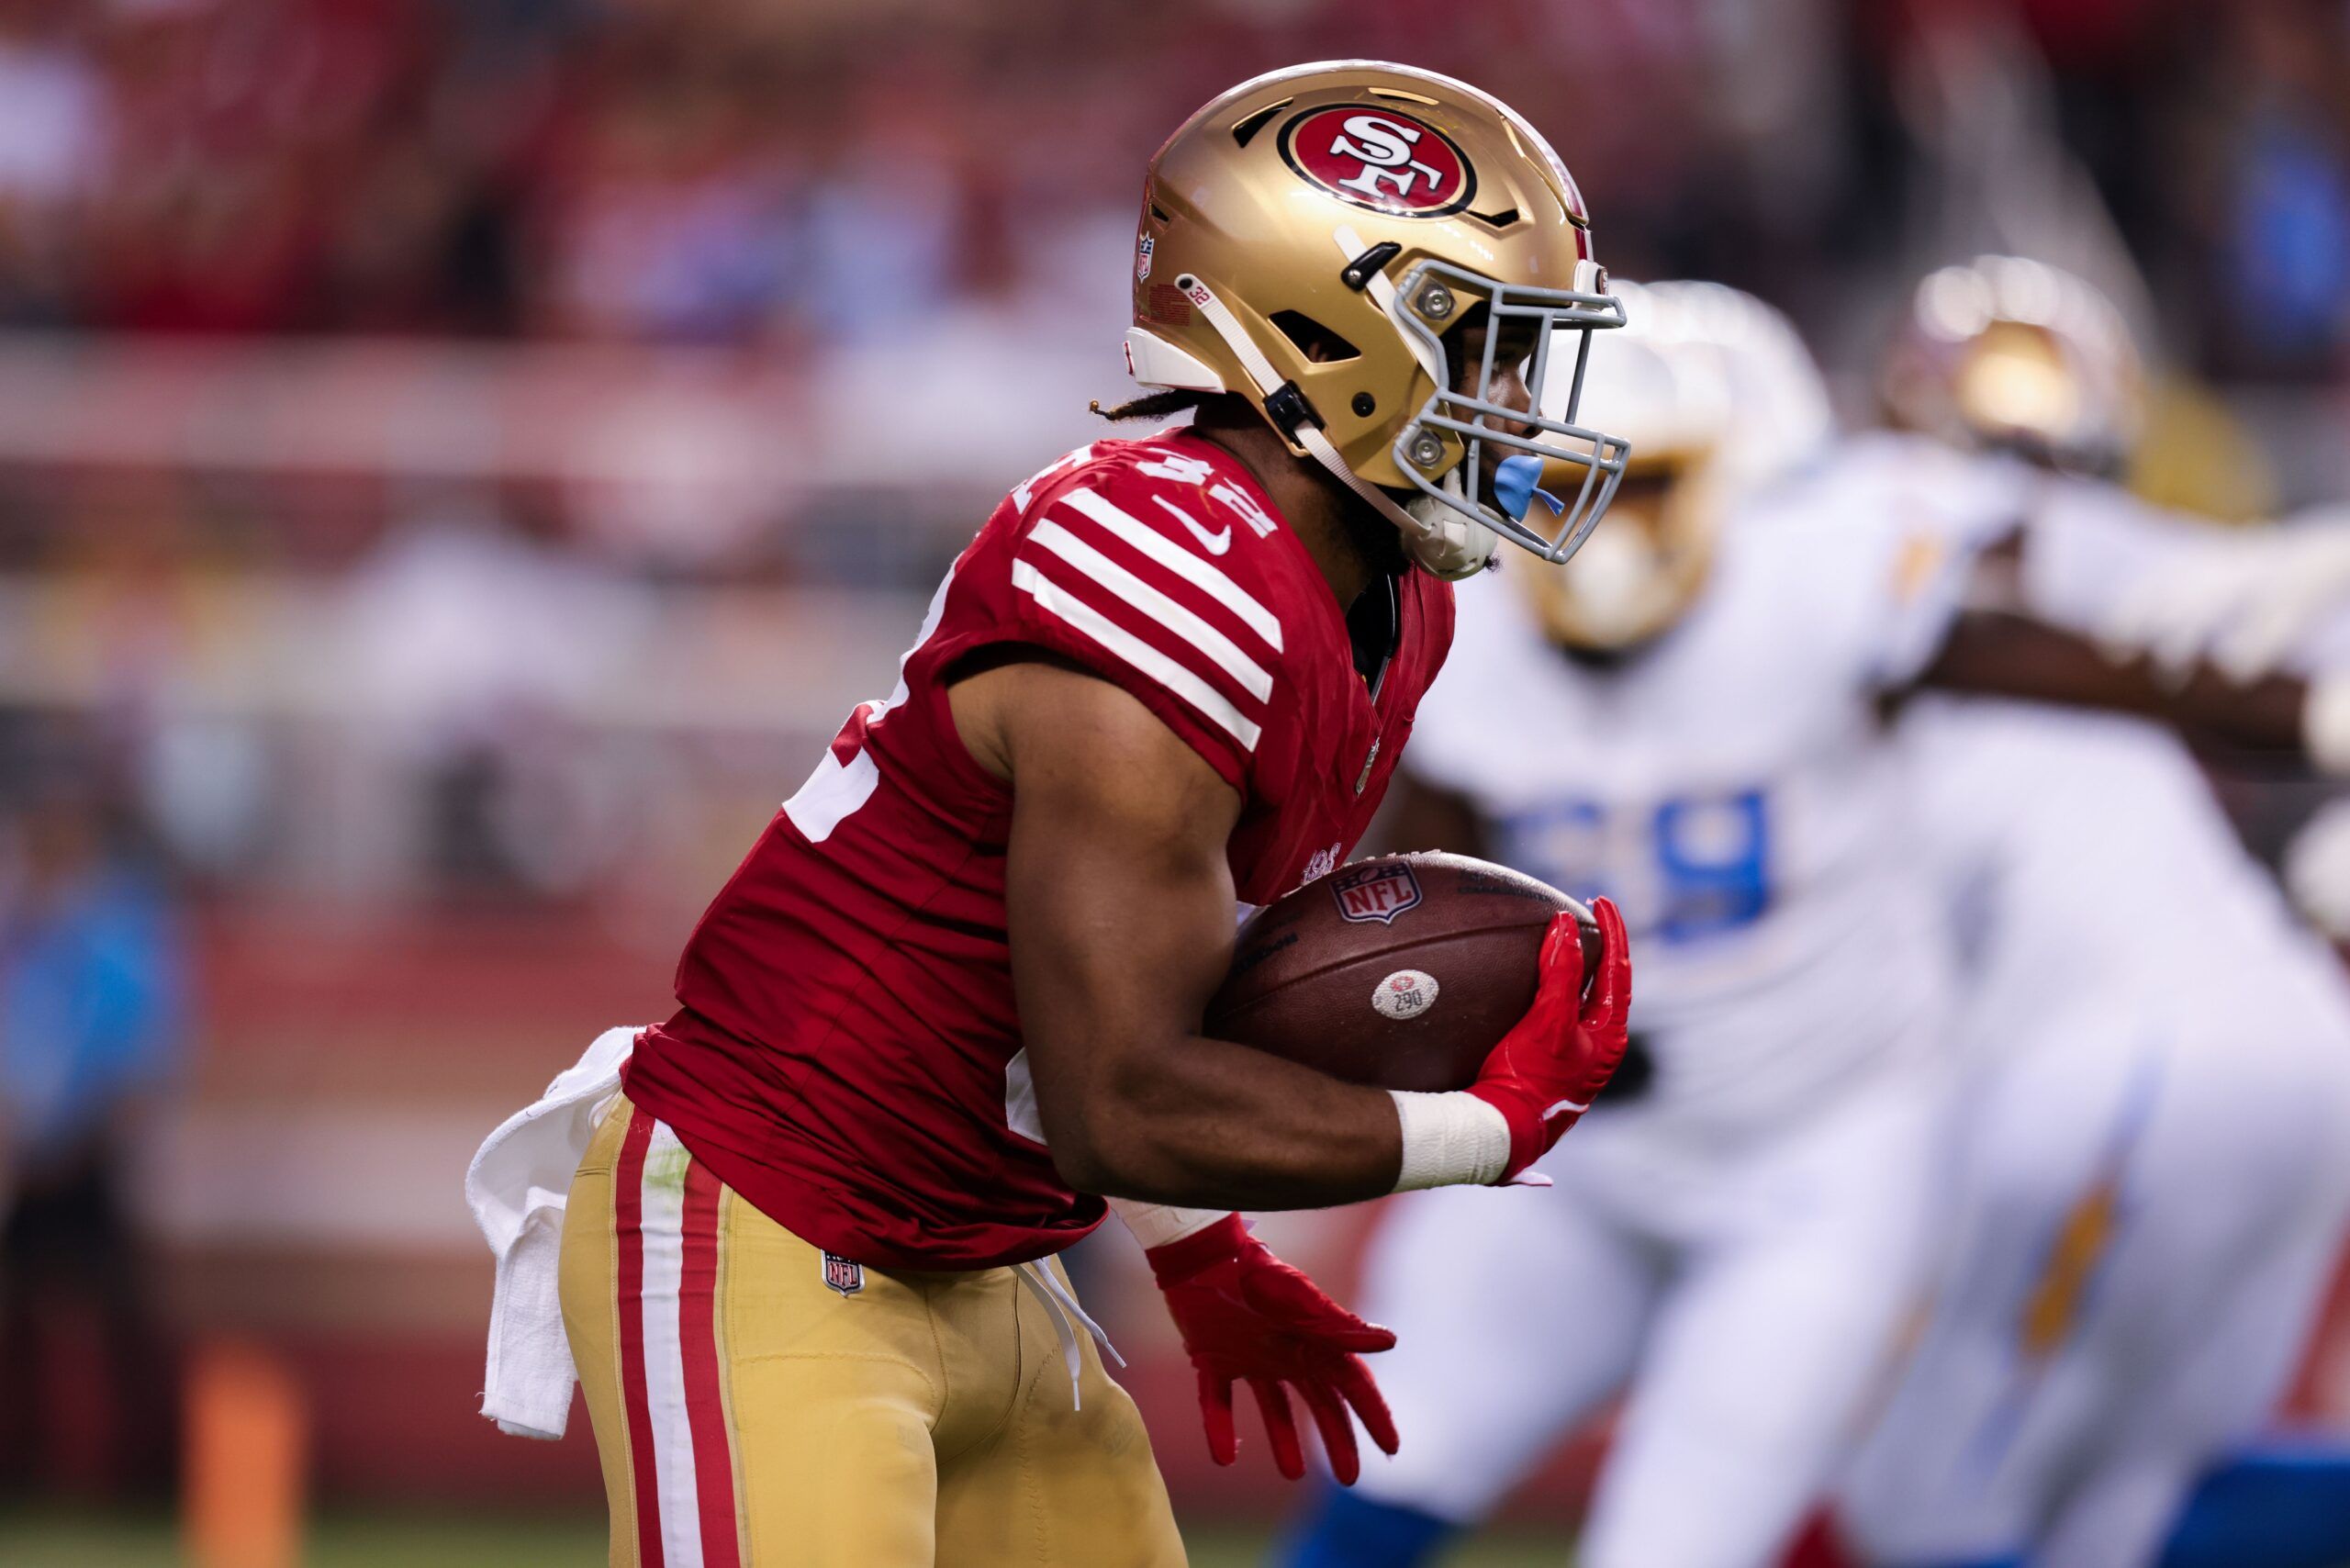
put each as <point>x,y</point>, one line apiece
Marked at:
<point>58,1541</point>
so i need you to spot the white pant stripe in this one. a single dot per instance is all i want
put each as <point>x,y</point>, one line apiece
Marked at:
<point>664,1199</point>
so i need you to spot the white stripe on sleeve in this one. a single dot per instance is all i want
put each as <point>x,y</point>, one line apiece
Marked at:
<point>1181,562</point>
<point>1253,676</point>
<point>1126,646</point>
<point>663,1196</point>
<point>832,794</point>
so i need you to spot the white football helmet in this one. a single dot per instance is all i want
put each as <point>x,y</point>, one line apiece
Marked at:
<point>1718,396</point>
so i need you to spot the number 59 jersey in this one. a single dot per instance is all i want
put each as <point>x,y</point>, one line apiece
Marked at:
<point>847,1054</point>
<point>1731,785</point>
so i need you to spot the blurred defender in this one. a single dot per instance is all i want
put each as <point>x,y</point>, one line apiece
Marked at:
<point>2154,1174</point>
<point>2155,1169</point>
<point>1691,730</point>
<point>1695,725</point>
<point>954,991</point>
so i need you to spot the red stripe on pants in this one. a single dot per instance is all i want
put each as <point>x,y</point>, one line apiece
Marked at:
<point>628,1229</point>
<point>705,1397</point>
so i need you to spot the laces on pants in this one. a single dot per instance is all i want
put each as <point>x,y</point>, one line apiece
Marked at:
<point>1060,1305</point>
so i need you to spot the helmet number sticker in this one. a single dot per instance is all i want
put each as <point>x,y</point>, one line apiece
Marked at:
<point>1380,158</point>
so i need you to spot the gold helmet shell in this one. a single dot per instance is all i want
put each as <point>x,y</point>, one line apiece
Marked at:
<point>2006,352</point>
<point>1313,240</point>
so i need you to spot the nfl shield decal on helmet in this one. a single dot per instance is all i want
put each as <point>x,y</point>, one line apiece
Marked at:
<point>1143,249</point>
<point>843,1276</point>
<point>1375,891</point>
<point>1380,158</point>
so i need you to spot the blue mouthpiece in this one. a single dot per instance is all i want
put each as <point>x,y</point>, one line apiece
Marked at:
<point>1514,486</point>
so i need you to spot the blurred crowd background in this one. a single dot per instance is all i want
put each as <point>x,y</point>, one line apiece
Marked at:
<point>460,458</point>
<point>783,178</point>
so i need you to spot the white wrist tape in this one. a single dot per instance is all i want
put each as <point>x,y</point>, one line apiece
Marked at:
<point>1449,1139</point>
<point>1156,1224</point>
<point>2326,724</point>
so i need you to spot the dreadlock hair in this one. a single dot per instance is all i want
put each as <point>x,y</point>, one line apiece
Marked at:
<point>1152,405</point>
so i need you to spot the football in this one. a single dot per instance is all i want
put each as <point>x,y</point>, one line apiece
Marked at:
<point>1401,971</point>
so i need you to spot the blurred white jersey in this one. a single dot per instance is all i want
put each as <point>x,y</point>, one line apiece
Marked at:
<point>2085,863</point>
<point>2101,562</point>
<point>1730,786</point>
<point>1738,1245</point>
<point>2092,544</point>
<point>2150,1182</point>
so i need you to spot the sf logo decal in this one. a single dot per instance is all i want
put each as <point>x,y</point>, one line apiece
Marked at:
<point>1385,150</point>
<point>1382,158</point>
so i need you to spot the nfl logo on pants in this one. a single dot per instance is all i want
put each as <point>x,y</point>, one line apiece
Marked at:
<point>840,1274</point>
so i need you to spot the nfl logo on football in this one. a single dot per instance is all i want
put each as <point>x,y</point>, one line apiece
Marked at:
<point>1375,893</point>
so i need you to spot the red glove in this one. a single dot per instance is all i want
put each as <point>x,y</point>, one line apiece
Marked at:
<point>1544,1073</point>
<point>1244,1314</point>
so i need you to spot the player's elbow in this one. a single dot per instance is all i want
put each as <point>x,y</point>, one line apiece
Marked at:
<point>1099,1138</point>
<point>1093,1151</point>
<point>1071,1119</point>
<point>1084,1165</point>
<point>1090,1156</point>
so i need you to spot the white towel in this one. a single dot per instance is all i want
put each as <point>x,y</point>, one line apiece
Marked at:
<point>516,1186</point>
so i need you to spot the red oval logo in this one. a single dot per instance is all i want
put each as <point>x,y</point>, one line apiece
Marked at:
<point>1379,157</point>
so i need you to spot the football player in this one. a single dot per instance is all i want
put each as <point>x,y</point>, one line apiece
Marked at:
<point>2153,1170</point>
<point>952,996</point>
<point>1691,718</point>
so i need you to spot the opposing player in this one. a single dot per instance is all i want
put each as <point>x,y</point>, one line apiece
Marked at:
<point>1733,1234</point>
<point>2153,1167</point>
<point>953,993</point>
<point>2152,1171</point>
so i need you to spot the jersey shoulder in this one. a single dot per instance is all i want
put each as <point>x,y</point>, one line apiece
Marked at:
<point>1160,566</point>
<point>1176,487</point>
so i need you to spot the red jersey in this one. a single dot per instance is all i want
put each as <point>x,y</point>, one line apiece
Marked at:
<point>847,1054</point>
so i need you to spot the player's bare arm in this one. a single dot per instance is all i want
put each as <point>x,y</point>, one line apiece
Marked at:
<point>1999,653</point>
<point>1120,907</point>
<point>1119,904</point>
<point>2190,634</point>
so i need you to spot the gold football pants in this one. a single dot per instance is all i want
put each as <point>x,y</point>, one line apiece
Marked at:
<point>758,1404</point>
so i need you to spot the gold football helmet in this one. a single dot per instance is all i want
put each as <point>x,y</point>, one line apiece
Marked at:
<point>1313,240</point>
<point>1718,398</point>
<point>2010,354</point>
